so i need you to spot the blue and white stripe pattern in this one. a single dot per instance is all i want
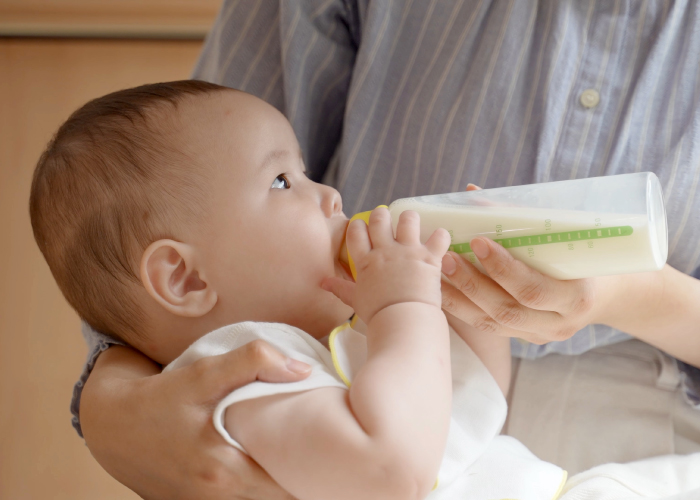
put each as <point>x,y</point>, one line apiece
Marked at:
<point>393,98</point>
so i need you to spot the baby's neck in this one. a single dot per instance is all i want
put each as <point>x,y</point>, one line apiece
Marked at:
<point>170,335</point>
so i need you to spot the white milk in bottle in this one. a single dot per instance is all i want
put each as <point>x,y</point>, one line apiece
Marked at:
<point>567,229</point>
<point>564,244</point>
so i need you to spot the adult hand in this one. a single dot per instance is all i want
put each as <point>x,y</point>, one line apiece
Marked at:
<point>515,300</point>
<point>153,432</point>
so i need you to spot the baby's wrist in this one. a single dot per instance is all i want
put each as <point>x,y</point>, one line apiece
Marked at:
<point>404,309</point>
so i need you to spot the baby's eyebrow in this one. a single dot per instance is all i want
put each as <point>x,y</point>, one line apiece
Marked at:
<point>272,157</point>
<point>275,155</point>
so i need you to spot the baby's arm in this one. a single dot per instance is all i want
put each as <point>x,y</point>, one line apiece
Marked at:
<point>384,438</point>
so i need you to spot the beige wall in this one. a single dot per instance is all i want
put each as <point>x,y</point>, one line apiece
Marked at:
<point>41,351</point>
<point>145,18</point>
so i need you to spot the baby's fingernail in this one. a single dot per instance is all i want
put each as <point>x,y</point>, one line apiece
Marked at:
<point>297,366</point>
<point>449,266</point>
<point>480,248</point>
<point>473,186</point>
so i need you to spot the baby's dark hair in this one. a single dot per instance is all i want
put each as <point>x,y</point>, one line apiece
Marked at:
<point>112,181</point>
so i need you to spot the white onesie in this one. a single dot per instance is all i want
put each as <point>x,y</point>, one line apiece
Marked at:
<point>478,463</point>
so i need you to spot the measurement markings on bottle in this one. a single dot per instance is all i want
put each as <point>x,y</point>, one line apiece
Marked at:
<point>544,239</point>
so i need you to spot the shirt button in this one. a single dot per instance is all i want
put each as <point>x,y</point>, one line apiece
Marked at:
<point>590,98</point>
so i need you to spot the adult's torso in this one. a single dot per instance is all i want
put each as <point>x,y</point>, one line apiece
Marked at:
<point>398,98</point>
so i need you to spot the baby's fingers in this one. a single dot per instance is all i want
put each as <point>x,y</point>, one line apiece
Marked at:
<point>380,231</point>
<point>357,240</point>
<point>408,228</point>
<point>439,242</point>
<point>343,289</point>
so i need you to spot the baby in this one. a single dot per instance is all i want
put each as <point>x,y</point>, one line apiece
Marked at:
<point>178,217</point>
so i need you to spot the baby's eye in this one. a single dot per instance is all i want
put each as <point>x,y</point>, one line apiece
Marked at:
<point>281,182</point>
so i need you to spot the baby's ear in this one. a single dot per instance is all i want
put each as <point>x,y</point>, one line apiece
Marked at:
<point>170,275</point>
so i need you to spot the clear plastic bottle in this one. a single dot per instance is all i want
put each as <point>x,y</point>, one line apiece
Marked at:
<point>566,229</point>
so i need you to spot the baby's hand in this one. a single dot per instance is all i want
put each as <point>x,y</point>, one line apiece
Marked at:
<point>391,271</point>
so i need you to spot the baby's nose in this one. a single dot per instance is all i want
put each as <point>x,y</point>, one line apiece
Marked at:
<point>332,203</point>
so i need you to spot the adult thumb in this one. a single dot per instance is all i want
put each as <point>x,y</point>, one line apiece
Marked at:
<point>216,376</point>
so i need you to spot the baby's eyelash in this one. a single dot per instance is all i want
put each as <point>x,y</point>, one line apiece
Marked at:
<point>281,182</point>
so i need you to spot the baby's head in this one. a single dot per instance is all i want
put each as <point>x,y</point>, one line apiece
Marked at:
<point>170,210</point>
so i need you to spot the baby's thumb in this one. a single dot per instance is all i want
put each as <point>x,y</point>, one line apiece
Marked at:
<point>343,289</point>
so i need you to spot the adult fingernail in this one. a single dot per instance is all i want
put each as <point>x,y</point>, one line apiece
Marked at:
<point>449,266</point>
<point>480,248</point>
<point>297,366</point>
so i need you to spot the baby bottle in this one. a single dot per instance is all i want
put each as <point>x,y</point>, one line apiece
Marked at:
<point>567,229</point>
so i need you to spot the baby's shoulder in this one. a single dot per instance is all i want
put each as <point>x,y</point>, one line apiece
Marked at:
<point>289,340</point>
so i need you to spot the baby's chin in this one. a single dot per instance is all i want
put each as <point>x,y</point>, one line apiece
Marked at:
<point>324,317</point>
<point>318,313</point>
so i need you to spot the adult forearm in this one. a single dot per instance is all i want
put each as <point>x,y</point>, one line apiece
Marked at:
<point>121,362</point>
<point>407,374</point>
<point>661,308</point>
<point>101,401</point>
<point>492,350</point>
<point>100,393</point>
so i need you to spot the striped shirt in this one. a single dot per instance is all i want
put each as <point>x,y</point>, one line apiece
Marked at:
<point>393,98</point>
<point>396,98</point>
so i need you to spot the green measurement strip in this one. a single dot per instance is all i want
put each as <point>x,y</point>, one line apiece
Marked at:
<point>544,239</point>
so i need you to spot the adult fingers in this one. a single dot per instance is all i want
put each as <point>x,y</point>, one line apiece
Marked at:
<point>211,378</point>
<point>500,308</point>
<point>380,231</point>
<point>217,471</point>
<point>530,287</point>
<point>224,473</point>
<point>256,484</point>
<point>455,303</point>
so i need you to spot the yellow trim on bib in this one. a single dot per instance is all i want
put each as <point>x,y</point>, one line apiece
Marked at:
<point>365,217</point>
<point>331,341</point>
<point>561,485</point>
